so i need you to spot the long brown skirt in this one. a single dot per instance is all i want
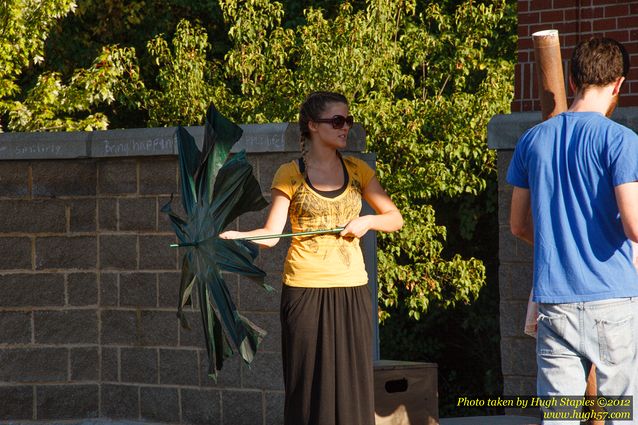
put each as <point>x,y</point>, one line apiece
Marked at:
<point>327,356</point>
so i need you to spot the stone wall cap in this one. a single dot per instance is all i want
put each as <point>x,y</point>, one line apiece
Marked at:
<point>503,131</point>
<point>159,141</point>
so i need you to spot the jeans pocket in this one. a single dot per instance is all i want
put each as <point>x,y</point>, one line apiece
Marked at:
<point>551,334</point>
<point>616,340</point>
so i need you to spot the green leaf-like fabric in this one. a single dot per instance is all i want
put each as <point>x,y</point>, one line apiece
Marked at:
<point>216,189</point>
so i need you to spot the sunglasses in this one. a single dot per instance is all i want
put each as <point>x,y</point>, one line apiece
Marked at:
<point>338,121</point>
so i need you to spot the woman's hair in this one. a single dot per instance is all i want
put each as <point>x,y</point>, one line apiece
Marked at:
<point>311,109</point>
<point>598,62</point>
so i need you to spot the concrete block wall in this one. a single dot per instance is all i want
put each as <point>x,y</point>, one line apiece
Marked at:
<point>575,20</point>
<point>89,285</point>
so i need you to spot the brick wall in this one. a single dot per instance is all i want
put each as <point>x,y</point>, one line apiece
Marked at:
<point>89,285</point>
<point>575,20</point>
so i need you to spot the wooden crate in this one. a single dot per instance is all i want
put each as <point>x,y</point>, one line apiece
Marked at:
<point>405,393</point>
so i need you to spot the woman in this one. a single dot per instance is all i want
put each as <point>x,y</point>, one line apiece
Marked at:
<point>326,304</point>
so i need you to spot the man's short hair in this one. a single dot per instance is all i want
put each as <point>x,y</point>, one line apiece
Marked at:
<point>598,62</point>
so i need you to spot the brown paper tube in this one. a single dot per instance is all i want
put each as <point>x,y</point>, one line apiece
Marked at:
<point>549,70</point>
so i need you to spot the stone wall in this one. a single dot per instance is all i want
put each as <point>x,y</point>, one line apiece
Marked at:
<point>518,351</point>
<point>88,284</point>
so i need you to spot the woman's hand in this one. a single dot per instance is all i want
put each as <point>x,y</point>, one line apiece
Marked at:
<point>230,234</point>
<point>357,227</point>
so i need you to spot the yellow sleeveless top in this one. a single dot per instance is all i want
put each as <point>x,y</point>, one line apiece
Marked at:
<point>323,261</point>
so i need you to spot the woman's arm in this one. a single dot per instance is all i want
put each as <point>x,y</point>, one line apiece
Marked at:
<point>387,219</point>
<point>275,221</point>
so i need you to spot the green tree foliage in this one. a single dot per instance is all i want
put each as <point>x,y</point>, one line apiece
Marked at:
<point>48,103</point>
<point>423,84</point>
<point>53,105</point>
<point>424,77</point>
<point>186,80</point>
<point>24,25</point>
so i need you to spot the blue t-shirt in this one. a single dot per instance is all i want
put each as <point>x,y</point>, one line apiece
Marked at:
<point>571,164</point>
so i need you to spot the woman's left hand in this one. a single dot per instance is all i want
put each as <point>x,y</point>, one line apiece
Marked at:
<point>357,227</point>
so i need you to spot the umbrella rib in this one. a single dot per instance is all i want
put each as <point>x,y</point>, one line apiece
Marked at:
<point>260,237</point>
<point>288,235</point>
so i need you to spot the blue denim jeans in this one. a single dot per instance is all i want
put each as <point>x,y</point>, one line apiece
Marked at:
<point>573,336</point>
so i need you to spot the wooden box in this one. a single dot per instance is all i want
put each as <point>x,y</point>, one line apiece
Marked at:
<point>405,393</point>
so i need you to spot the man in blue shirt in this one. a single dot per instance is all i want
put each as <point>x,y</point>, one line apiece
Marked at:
<point>575,198</point>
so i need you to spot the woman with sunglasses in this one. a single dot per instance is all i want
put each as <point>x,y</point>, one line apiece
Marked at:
<point>326,307</point>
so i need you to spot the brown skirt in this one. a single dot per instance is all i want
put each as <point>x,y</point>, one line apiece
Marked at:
<point>327,356</point>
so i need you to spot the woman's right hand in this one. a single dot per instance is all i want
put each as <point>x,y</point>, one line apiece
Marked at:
<point>230,234</point>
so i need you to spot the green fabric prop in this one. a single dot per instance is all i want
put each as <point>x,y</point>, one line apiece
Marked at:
<point>215,191</point>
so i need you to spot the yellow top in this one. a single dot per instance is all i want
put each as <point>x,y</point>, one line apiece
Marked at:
<point>323,261</point>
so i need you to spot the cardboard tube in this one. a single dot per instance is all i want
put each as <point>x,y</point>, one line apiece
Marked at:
<point>549,70</point>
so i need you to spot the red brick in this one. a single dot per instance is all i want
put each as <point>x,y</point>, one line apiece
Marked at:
<point>622,36</point>
<point>629,100</point>
<point>608,24</point>
<point>527,105</point>
<point>560,4</point>
<point>517,83</point>
<point>632,47</point>
<point>527,81</point>
<point>521,72</point>
<point>633,87</point>
<point>566,27</point>
<point>633,8</point>
<point>585,27</point>
<point>523,56</point>
<point>522,6</point>
<point>528,18</point>
<point>592,12</point>
<point>619,10</point>
<point>523,31</point>
<point>571,14</point>
<point>633,35</point>
<point>627,22</point>
<point>541,5</point>
<point>536,105</point>
<point>533,82</point>
<point>517,94</point>
<point>612,2</point>
<point>550,16</point>
<point>525,44</point>
<point>516,106</point>
<point>570,41</point>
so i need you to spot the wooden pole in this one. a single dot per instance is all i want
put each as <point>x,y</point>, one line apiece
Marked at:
<point>551,89</point>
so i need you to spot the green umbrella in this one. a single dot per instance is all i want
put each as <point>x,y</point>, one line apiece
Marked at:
<point>216,189</point>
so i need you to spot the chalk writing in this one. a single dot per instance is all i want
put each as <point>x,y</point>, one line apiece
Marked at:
<point>40,148</point>
<point>138,146</point>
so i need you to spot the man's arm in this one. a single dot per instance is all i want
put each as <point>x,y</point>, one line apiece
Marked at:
<point>627,199</point>
<point>521,223</point>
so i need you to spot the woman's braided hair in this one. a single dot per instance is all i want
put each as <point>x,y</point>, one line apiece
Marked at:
<point>311,109</point>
